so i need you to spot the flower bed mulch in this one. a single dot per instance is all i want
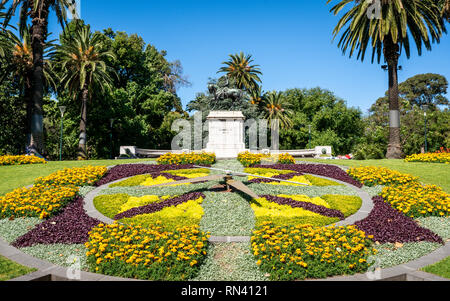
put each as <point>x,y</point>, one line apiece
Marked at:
<point>387,225</point>
<point>155,207</point>
<point>70,227</point>
<point>307,206</point>
<point>329,171</point>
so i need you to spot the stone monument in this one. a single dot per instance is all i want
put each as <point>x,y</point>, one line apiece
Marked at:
<point>226,133</point>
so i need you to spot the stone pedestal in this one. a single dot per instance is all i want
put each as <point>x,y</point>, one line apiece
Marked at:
<point>226,133</point>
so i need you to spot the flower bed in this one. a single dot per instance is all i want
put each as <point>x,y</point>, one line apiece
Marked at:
<point>69,227</point>
<point>136,202</point>
<point>155,207</point>
<point>282,215</point>
<point>416,200</point>
<point>300,252</point>
<point>372,176</point>
<point>162,177</point>
<point>388,225</point>
<point>128,170</point>
<point>442,156</point>
<point>249,159</point>
<point>310,205</point>
<point>294,177</point>
<point>329,171</point>
<point>74,176</point>
<point>21,160</point>
<point>190,158</point>
<point>285,159</point>
<point>40,201</point>
<point>146,253</point>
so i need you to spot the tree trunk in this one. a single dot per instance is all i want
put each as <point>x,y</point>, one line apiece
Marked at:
<point>29,108</point>
<point>82,150</point>
<point>38,34</point>
<point>391,54</point>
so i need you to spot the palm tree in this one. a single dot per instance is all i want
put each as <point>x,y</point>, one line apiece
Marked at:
<point>387,35</point>
<point>240,69</point>
<point>445,8</point>
<point>38,11</point>
<point>276,107</point>
<point>82,59</point>
<point>5,34</point>
<point>256,96</point>
<point>20,64</point>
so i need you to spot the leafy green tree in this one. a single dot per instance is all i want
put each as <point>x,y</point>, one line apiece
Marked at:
<point>425,89</point>
<point>332,122</point>
<point>239,67</point>
<point>387,34</point>
<point>38,11</point>
<point>12,117</point>
<point>139,103</point>
<point>84,67</point>
<point>412,117</point>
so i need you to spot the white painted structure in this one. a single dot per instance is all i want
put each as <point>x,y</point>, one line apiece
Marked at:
<point>227,140</point>
<point>226,133</point>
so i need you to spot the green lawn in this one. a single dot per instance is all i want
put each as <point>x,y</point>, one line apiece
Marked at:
<point>428,173</point>
<point>10,269</point>
<point>441,268</point>
<point>12,177</point>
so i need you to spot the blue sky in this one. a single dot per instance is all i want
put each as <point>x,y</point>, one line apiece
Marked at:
<point>291,40</point>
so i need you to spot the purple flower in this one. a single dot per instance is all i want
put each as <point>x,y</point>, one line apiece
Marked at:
<point>389,225</point>
<point>70,227</point>
<point>128,170</point>
<point>325,170</point>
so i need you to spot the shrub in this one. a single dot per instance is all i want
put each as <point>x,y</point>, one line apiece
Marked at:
<point>300,252</point>
<point>369,152</point>
<point>146,253</point>
<point>190,158</point>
